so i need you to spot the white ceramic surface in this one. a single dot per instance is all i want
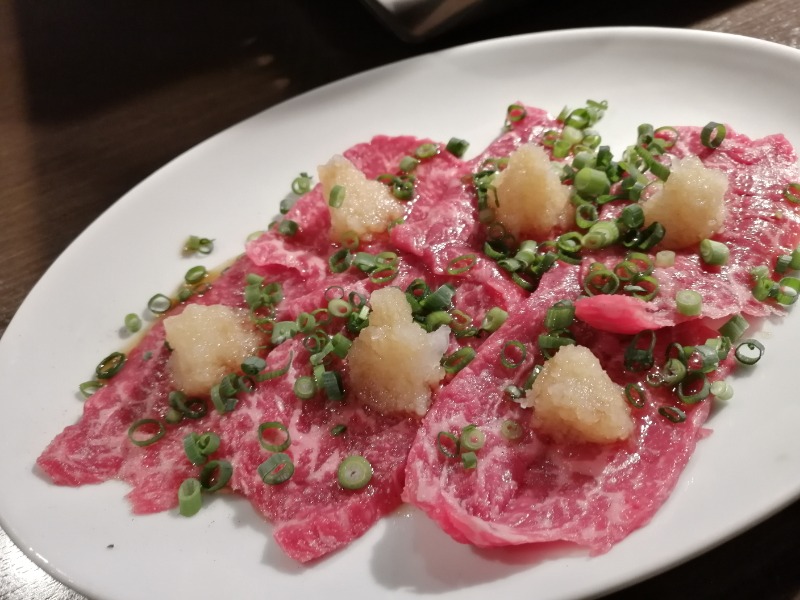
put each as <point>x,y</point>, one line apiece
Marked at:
<point>229,185</point>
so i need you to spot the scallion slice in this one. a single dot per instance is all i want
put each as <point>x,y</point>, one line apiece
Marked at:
<point>714,253</point>
<point>722,390</point>
<point>469,459</point>
<point>276,469</point>
<point>457,147</point>
<point>132,322</point>
<point>672,413</point>
<point>427,150</point>
<point>135,434</point>
<point>749,352</point>
<point>792,192</point>
<point>688,303</point>
<point>734,328</point>
<point>493,319</point>
<point>694,388</point>
<point>354,472</point>
<point>87,388</point>
<point>159,304</point>
<point>560,316</point>
<point>511,430</point>
<point>198,447</point>
<point>459,359</point>
<point>447,443</point>
<point>512,354</point>
<point>461,264</point>
<point>281,444</point>
<point>190,499</point>
<point>472,438</point>
<point>635,395</point>
<point>288,227</point>
<point>110,365</point>
<point>336,197</point>
<point>713,135</point>
<point>195,275</point>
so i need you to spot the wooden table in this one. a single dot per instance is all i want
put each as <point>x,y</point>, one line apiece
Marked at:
<point>98,95</point>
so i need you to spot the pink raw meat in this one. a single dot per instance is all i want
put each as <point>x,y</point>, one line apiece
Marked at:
<point>535,490</point>
<point>760,225</point>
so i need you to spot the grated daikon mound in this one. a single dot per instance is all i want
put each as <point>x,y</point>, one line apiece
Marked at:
<point>369,206</point>
<point>207,343</point>
<point>532,199</point>
<point>393,362</point>
<point>690,205</point>
<point>574,399</point>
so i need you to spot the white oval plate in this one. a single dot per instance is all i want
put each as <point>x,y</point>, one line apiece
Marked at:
<point>231,184</point>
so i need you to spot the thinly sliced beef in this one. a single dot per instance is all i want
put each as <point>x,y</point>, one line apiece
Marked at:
<point>523,491</point>
<point>760,225</point>
<point>534,489</point>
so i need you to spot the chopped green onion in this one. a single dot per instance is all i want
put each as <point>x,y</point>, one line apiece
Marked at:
<point>472,438</point>
<point>600,281</point>
<point>336,197</point>
<point>749,352</point>
<point>195,275</point>
<point>507,355</point>
<point>301,184</point>
<point>515,113</point>
<point>349,240</point>
<point>198,244</point>
<point>469,460</point>
<point>279,372</point>
<point>461,264</point>
<point>673,372</point>
<point>713,134</point>
<point>198,447</point>
<point>722,390</point>
<point>277,447</point>
<point>340,260</point>
<point>635,395</point>
<point>447,444</point>
<point>792,192</point>
<point>459,359</point>
<point>651,236</point>
<point>714,253</point>
<point>457,147</point>
<point>427,150</point>
<point>693,388</point>
<point>159,304</point>
<point>511,430</point>
<point>788,290</point>
<point>354,472</point>
<point>639,358</point>
<point>253,365</point>
<point>287,227</point>
<point>665,258</point>
<point>493,319</point>
<point>305,387</point>
<point>135,428</point>
<point>782,263</point>
<point>676,415</point>
<point>87,388</point>
<point>331,384</point>
<point>408,164</point>
<point>591,182</point>
<point>586,215</point>
<point>339,429</point>
<point>110,365</point>
<point>688,303</point>
<point>441,299</point>
<point>132,322</point>
<point>276,469</point>
<point>191,408</point>
<point>734,327</point>
<point>189,497</point>
<point>601,235</point>
<point>338,307</point>
<point>560,316</point>
<point>631,217</point>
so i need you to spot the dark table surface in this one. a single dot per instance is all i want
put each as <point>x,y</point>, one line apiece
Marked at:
<point>95,96</point>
